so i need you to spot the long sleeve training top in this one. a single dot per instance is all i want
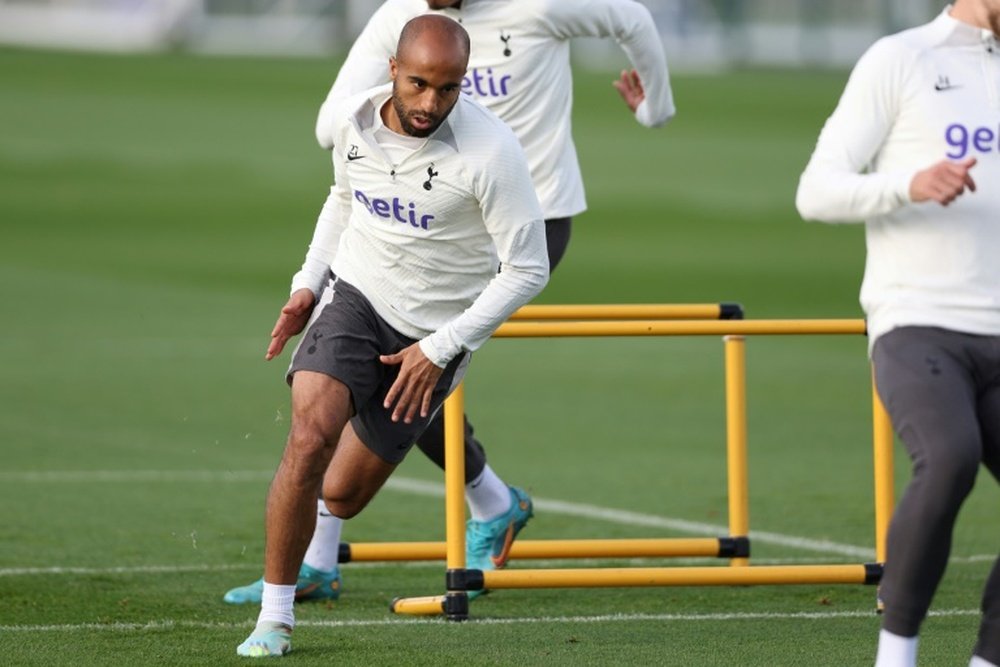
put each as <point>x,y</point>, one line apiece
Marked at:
<point>915,98</point>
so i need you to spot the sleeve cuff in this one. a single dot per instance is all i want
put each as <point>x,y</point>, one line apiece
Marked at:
<point>438,357</point>
<point>645,115</point>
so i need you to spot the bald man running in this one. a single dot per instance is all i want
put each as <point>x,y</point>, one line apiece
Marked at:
<point>432,195</point>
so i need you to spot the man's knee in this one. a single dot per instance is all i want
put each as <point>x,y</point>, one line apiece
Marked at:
<point>952,469</point>
<point>307,441</point>
<point>344,507</point>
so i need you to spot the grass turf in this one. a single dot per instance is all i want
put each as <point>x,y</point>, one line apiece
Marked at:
<point>153,211</point>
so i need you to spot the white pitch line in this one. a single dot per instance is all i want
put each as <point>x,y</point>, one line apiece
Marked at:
<point>425,564</point>
<point>434,489</point>
<point>628,518</point>
<point>606,618</point>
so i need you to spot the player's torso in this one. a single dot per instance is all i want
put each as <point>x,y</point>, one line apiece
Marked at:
<point>950,108</point>
<point>516,66</point>
<point>418,199</point>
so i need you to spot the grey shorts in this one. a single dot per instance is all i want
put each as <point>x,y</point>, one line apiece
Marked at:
<point>343,339</point>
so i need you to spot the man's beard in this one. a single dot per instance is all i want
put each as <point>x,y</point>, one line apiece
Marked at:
<point>993,18</point>
<point>407,125</point>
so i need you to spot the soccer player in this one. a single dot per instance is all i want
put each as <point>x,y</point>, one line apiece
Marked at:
<point>431,237</point>
<point>520,69</point>
<point>917,128</point>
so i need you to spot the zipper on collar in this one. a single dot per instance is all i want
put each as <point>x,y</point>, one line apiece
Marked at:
<point>991,68</point>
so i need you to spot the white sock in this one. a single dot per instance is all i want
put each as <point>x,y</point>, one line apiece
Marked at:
<point>980,662</point>
<point>896,651</point>
<point>325,545</point>
<point>488,496</point>
<point>277,604</point>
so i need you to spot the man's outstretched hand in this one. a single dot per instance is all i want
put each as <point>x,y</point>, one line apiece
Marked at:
<point>291,321</point>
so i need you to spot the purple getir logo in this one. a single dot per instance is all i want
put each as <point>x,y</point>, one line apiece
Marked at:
<point>394,209</point>
<point>964,140</point>
<point>484,83</point>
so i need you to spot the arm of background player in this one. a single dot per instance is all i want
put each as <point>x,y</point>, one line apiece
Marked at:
<point>632,26</point>
<point>513,218</point>
<point>366,66</point>
<point>833,187</point>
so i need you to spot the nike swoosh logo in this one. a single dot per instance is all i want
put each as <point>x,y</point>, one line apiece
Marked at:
<point>352,158</point>
<point>938,87</point>
<point>305,590</point>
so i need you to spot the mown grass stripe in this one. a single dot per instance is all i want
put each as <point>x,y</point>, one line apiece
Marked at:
<point>169,624</point>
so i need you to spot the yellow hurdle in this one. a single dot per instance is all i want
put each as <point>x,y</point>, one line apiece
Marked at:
<point>639,320</point>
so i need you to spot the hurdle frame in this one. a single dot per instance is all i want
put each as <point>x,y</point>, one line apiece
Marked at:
<point>459,580</point>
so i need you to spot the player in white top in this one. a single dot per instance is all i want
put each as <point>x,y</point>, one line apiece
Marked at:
<point>520,69</point>
<point>431,237</point>
<point>913,150</point>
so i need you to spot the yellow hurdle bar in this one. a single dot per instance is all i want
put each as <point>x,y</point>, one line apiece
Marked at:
<point>431,605</point>
<point>664,547</point>
<point>678,328</point>
<point>884,491</point>
<point>635,311</point>
<point>454,477</point>
<point>736,440</point>
<point>682,576</point>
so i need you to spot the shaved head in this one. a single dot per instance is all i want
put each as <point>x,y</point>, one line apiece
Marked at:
<point>445,37</point>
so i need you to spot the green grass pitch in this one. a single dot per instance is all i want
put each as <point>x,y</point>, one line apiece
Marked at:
<point>152,212</point>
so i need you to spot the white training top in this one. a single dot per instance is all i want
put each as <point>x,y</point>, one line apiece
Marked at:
<point>520,69</point>
<point>916,98</point>
<point>423,239</point>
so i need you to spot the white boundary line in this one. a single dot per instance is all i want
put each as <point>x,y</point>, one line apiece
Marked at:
<point>607,618</point>
<point>435,489</point>
<point>430,564</point>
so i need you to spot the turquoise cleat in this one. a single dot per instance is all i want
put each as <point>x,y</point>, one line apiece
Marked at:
<point>268,640</point>
<point>487,543</point>
<point>313,584</point>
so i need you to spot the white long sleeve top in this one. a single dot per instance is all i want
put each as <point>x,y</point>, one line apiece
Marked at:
<point>520,69</point>
<point>423,239</point>
<point>915,98</point>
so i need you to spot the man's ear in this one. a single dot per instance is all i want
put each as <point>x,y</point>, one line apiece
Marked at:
<point>392,67</point>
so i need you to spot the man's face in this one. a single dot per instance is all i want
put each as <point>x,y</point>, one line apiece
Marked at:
<point>425,89</point>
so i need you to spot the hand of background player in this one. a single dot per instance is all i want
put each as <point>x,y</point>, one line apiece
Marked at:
<point>291,321</point>
<point>630,88</point>
<point>943,181</point>
<point>414,386</point>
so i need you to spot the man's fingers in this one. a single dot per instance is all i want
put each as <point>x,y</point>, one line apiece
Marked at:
<point>970,183</point>
<point>275,348</point>
<point>425,406</point>
<point>405,406</point>
<point>279,325</point>
<point>391,359</point>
